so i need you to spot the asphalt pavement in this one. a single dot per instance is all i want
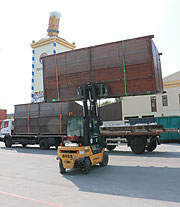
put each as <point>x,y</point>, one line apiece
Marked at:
<point>29,177</point>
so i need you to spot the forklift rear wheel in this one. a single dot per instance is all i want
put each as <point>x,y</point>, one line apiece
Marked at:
<point>62,170</point>
<point>8,142</point>
<point>151,146</point>
<point>86,166</point>
<point>105,159</point>
<point>111,147</point>
<point>138,145</point>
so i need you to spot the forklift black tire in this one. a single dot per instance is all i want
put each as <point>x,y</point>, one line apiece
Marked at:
<point>105,159</point>
<point>151,146</point>
<point>62,170</point>
<point>8,142</point>
<point>111,147</point>
<point>86,166</point>
<point>138,145</point>
<point>43,144</point>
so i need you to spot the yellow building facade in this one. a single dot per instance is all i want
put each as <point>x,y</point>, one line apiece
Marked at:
<point>157,105</point>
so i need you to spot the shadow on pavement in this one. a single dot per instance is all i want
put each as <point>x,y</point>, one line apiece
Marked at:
<point>157,183</point>
<point>146,154</point>
<point>31,150</point>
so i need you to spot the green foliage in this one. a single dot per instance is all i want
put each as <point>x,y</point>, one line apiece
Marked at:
<point>105,103</point>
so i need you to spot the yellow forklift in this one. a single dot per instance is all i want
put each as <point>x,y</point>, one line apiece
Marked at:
<point>83,147</point>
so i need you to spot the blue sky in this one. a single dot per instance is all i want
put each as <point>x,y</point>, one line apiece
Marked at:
<point>87,23</point>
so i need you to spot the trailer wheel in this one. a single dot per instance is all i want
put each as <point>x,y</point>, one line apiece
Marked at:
<point>111,147</point>
<point>86,166</point>
<point>8,142</point>
<point>105,159</point>
<point>151,146</point>
<point>62,170</point>
<point>43,144</point>
<point>24,145</point>
<point>138,145</point>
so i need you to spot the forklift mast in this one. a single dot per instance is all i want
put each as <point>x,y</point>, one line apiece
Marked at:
<point>89,94</point>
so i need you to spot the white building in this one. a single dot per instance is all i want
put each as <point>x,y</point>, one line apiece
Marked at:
<point>166,104</point>
<point>46,46</point>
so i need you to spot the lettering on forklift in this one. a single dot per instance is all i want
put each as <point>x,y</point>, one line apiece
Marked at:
<point>96,158</point>
<point>67,156</point>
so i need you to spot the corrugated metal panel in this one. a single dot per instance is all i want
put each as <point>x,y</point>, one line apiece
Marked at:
<point>65,72</point>
<point>169,122</point>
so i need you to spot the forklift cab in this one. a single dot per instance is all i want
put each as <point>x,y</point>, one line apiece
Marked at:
<point>87,130</point>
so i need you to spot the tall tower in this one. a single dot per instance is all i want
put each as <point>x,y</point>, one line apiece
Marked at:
<point>49,45</point>
<point>53,29</point>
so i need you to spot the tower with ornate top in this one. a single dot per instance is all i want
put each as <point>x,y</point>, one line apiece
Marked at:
<point>49,45</point>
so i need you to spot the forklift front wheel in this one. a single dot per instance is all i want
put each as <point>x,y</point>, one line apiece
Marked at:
<point>62,170</point>
<point>86,166</point>
<point>105,159</point>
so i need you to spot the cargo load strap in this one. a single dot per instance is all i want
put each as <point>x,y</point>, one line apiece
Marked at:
<point>60,116</point>
<point>124,67</point>
<point>57,86</point>
<point>57,81</point>
<point>28,119</point>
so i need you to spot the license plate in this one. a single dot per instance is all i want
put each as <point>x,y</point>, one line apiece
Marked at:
<point>71,144</point>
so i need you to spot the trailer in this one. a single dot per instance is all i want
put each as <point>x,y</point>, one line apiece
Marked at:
<point>38,123</point>
<point>139,137</point>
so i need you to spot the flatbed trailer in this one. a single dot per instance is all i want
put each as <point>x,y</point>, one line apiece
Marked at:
<point>44,141</point>
<point>138,137</point>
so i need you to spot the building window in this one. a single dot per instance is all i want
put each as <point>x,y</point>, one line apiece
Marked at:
<point>164,100</point>
<point>153,104</point>
<point>131,117</point>
<point>148,116</point>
